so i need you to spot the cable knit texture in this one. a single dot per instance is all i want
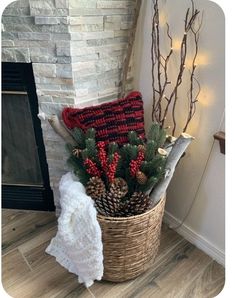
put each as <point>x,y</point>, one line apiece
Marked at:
<point>77,245</point>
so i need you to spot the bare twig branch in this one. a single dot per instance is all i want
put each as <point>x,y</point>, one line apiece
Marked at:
<point>162,102</point>
<point>161,64</point>
<point>193,98</point>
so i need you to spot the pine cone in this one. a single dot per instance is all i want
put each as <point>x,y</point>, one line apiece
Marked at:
<point>141,177</point>
<point>95,188</point>
<point>142,148</point>
<point>108,205</point>
<point>76,152</point>
<point>118,187</point>
<point>137,204</point>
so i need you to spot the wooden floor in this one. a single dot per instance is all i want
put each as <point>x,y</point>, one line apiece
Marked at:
<point>180,270</point>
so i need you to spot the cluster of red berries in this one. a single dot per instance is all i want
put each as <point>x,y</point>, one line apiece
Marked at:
<point>92,168</point>
<point>112,168</point>
<point>135,164</point>
<point>102,155</point>
<point>109,169</point>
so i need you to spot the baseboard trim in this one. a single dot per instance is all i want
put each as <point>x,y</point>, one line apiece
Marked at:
<point>196,239</point>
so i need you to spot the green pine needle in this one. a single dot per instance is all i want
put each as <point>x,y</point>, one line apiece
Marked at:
<point>79,137</point>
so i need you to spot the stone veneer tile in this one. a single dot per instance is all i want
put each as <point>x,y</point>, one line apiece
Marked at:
<point>64,71</point>
<point>59,29</point>
<point>62,3</point>
<point>21,27</point>
<point>115,4</point>
<point>44,59</point>
<point>53,108</point>
<point>44,70</point>
<point>61,36</point>
<point>49,12</point>
<point>39,51</point>
<point>64,60</point>
<point>45,98</point>
<point>86,28</point>
<point>46,20</point>
<point>82,4</point>
<point>100,12</point>
<point>13,11</point>
<point>55,80</point>
<point>56,93</point>
<point>22,55</point>
<point>63,51</point>
<point>82,58</point>
<point>33,36</point>
<point>17,19</point>
<point>8,43</point>
<point>107,41</point>
<point>83,65</point>
<point>19,4</point>
<point>16,54</point>
<point>8,55</point>
<point>41,4</point>
<point>88,20</point>
<point>106,64</point>
<point>121,33</point>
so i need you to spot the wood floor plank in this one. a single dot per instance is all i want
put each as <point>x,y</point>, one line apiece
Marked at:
<point>47,280</point>
<point>19,231</point>
<point>13,268</point>
<point>28,246</point>
<point>34,249</point>
<point>208,285</point>
<point>38,255</point>
<point>8,215</point>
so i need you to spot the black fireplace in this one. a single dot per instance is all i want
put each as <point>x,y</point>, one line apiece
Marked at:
<point>25,177</point>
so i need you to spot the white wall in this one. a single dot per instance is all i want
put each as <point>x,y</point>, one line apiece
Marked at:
<point>200,174</point>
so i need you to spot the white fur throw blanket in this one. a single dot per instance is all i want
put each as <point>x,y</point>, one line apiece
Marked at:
<point>77,245</point>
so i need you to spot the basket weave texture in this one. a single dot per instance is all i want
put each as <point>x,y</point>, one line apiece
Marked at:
<point>130,244</point>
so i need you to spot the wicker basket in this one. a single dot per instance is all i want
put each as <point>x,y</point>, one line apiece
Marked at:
<point>130,244</point>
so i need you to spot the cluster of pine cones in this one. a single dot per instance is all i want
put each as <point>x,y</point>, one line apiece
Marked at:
<point>112,202</point>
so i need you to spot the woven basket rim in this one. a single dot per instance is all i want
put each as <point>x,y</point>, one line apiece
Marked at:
<point>128,218</point>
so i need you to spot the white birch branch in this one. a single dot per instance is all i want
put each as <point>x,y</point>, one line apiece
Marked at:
<point>61,130</point>
<point>174,156</point>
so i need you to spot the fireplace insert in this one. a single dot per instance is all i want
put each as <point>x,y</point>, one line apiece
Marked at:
<point>25,177</point>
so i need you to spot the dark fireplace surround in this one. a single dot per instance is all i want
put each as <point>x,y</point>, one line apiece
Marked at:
<point>18,78</point>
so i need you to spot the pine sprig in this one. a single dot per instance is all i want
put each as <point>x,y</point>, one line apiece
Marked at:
<point>157,135</point>
<point>69,148</point>
<point>79,137</point>
<point>85,154</point>
<point>78,169</point>
<point>150,152</point>
<point>90,133</point>
<point>91,148</point>
<point>129,152</point>
<point>154,131</point>
<point>112,148</point>
<point>149,184</point>
<point>134,139</point>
